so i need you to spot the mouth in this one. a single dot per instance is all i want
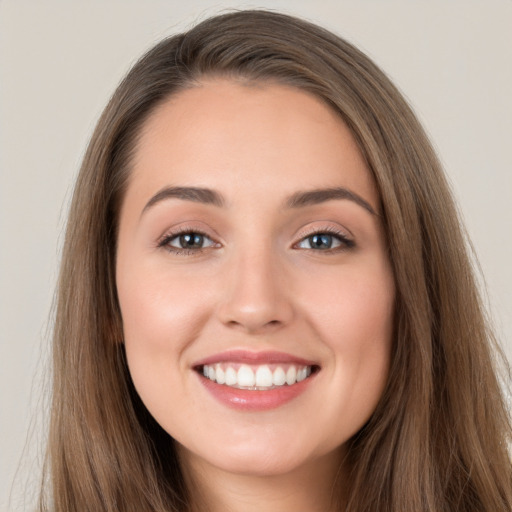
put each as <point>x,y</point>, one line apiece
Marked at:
<point>255,381</point>
<point>253,377</point>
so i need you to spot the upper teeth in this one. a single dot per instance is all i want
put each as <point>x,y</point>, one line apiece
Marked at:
<point>256,377</point>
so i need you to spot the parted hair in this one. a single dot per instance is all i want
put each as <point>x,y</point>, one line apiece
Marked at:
<point>439,437</point>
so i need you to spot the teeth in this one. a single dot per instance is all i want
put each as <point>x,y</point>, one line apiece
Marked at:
<point>291,376</point>
<point>279,377</point>
<point>245,376</point>
<point>220,376</point>
<point>301,374</point>
<point>263,377</point>
<point>256,377</point>
<point>231,377</point>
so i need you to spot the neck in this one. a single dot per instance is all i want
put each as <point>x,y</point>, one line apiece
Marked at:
<point>317,486</point>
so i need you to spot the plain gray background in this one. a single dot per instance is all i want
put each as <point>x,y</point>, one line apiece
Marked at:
<point>60,61</point>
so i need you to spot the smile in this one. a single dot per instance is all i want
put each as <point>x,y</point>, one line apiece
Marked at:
<point>255,381</point>
<point>256,377</point>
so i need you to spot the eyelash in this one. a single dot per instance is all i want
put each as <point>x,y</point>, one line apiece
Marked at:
<point>168,238</point>
<point>345,242</point>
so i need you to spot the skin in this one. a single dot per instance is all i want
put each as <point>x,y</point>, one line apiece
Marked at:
<point>258,286</point>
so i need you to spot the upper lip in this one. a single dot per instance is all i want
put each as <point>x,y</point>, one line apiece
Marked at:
<point>254,357</point>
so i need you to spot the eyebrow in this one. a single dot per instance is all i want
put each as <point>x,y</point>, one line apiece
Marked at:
<point>318,196</point>
<point>194,194</point>
<point>297,200</point>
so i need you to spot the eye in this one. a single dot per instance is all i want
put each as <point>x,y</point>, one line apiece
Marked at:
<point>186,242</point>
<point>190,241</point>
<point>325,241</point>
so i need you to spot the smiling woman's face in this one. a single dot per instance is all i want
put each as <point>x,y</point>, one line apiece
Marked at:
<point>251,250</point>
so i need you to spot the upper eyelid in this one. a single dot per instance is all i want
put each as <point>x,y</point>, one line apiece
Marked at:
<point>165,242</point>
<point>332,230</point>
<point>344,240</point>
<point>171,233</point>
<point>172,236</point>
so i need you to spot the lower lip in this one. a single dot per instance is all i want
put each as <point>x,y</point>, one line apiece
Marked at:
<point>257,400</point>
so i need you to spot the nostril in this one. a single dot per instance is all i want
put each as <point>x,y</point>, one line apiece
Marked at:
<point>253,324</point>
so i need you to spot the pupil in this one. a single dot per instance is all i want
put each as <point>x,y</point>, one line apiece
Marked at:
<point>191,240</point>
<point>321,241</point>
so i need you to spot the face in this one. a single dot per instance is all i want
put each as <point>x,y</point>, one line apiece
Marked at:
<point>253,279</point>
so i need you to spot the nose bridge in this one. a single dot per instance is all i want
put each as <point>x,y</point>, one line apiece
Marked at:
<point>255,294</point>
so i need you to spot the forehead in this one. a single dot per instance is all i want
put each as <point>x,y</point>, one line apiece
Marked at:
<point>248,138</point>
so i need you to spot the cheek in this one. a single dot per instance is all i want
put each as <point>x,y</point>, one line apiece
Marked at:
<point>352,306</point>
<point>157,307</point>
<point>162,314</point>
<point>352,312</point>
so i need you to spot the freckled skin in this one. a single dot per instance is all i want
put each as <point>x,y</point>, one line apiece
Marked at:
<point>259,286</point>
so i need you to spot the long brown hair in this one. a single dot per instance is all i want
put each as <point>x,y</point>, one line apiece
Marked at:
<point>438,440</point>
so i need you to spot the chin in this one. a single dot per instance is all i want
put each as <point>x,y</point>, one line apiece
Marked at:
<point>258,464</point>
<point>253,458</point>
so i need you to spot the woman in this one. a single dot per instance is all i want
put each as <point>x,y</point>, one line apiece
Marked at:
<point>265,299</point>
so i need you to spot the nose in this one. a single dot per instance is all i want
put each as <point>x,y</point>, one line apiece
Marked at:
<point>256,296</point>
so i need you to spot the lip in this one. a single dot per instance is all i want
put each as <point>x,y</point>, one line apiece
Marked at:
<point>255,400</point>
<point>249,357</point>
